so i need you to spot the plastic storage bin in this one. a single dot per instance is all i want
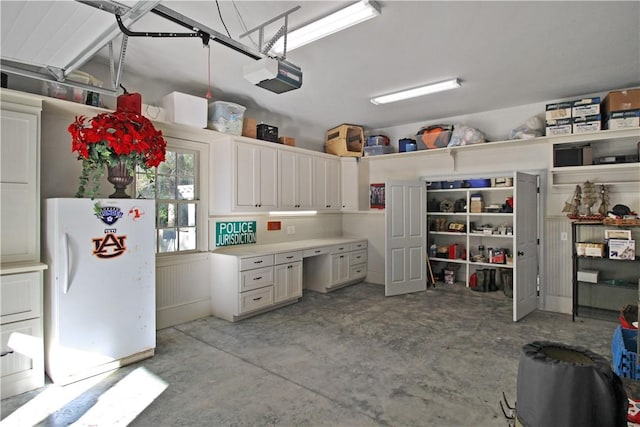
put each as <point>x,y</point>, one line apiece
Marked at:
<point>624,353</point>
<point>226,117</point>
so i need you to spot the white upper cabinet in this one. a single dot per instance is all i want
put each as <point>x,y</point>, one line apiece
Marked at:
<point>244,176</point>
<point>296,180</point>
<point>326,175</point>
<point>19,174</point>
<point>255,176</point>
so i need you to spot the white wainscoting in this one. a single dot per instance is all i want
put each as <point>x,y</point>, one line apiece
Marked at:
<point>558,253</point>
<point>182,288</point>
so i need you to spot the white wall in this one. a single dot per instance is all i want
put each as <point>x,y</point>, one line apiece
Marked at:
<point>306,227</point>
<point>486,160</point>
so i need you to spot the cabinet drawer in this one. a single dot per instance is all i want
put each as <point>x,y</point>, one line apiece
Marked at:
<point>21,297</point>
<point>256,299</point>
<point>288,257</point>
<point>357,271</point>
<point>359,245</point>
<point>338,249</point>
<point>255,262</point>
<point>257,278</point>
<point>316,251</point>
<point>358,257</point>
<point>22,366</point>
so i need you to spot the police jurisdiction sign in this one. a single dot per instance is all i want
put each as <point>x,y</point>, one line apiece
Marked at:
<point>230,233</point>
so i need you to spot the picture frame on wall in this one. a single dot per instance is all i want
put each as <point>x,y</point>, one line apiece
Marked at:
<point>376,196</point>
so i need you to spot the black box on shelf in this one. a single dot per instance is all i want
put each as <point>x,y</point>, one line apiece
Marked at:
<point>572,156</point>
<point>267,132</point>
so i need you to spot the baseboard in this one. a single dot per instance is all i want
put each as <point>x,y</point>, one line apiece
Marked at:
<point>558,304</point>
<point>176,315</point>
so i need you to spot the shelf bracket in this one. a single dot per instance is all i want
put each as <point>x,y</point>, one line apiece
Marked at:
<point>452,156</point>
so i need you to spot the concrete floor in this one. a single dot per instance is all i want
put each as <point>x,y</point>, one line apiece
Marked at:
<point>349,358</point>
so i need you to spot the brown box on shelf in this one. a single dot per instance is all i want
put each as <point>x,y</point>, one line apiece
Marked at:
<point>345,140</point>
<point>287,140</point>
<point>477,206</point>
<point>249,128</point>
<point>621,100</point>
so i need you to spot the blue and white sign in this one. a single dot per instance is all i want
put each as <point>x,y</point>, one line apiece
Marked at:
<point>229,233</point>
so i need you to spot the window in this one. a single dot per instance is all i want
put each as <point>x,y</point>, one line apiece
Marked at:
<point>174,185</point>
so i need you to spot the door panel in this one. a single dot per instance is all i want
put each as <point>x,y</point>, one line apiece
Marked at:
<point>405,237</point>
<point>525,292</point>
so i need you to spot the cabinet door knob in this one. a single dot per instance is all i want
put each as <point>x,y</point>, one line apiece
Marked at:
<point>520,253</point>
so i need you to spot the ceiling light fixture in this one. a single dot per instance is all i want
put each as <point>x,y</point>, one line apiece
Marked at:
<point>418,91</point>
<point>344,18</point>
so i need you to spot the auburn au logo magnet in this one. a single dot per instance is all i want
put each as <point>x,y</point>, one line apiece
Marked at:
<point>109,246</point>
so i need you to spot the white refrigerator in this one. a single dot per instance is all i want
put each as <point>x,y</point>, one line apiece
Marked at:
<point>100,286</point>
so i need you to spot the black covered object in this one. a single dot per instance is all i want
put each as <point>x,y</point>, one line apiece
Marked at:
<point>560,385</point>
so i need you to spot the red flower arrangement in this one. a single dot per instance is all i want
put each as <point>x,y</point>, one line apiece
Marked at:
<point>111,139</point>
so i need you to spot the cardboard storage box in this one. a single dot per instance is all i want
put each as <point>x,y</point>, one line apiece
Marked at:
<point>185,109</point>
<point>345,140</point>
<point>559,110</point>
<point>585,107</point>
<point>477,206</point>
<point>287,140</point>
<point>622,120</point>
<point>588,249</point>
<point>587,124</point>
<point>621,100</point>
<point>590,276</point>
<point>559,127</point>
<point>249,128</point>
<point>622,249</point>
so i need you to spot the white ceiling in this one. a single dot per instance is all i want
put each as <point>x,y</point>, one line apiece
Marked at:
<point>505,54</point>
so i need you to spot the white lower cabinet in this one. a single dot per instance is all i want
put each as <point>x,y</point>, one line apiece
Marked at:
<point>346,264</point>
<point>243,287</point>
<point>288,277</point>
<point>249,280</point>
<point>21,336</point>
<point>339,269</point>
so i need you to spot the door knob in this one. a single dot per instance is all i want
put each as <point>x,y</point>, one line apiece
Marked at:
<point>520,253</point>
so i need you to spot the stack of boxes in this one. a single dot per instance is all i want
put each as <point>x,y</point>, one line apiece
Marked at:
<point>621,109</point>
<point>558,118</point>
<point>579,116</point>
<point>586,115</point>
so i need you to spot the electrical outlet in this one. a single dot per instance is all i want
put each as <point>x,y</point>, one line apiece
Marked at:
<point>291,229</point>
<point>563,235</point>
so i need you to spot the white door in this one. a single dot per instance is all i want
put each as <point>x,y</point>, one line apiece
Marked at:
<point>525,289</point>
<point>333,184</point>
<point>304,181</point>
<point>268,184</point>
<point>320,183</point>
<point>247,169</point>
<point>405,237</point>
<point>288,182</point>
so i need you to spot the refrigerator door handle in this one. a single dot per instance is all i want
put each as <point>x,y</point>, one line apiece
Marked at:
<point>65,262</point>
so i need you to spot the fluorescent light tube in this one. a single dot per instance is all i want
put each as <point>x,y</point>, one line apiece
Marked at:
<point>292,213</point>
<point>418,91</point>
<point>344,18</point>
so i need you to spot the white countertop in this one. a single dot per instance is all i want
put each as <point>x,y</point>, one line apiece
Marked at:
<point>22,267</point>
<point>244,251</point>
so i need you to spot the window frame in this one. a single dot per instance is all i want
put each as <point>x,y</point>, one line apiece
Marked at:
<point>201,151</point>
